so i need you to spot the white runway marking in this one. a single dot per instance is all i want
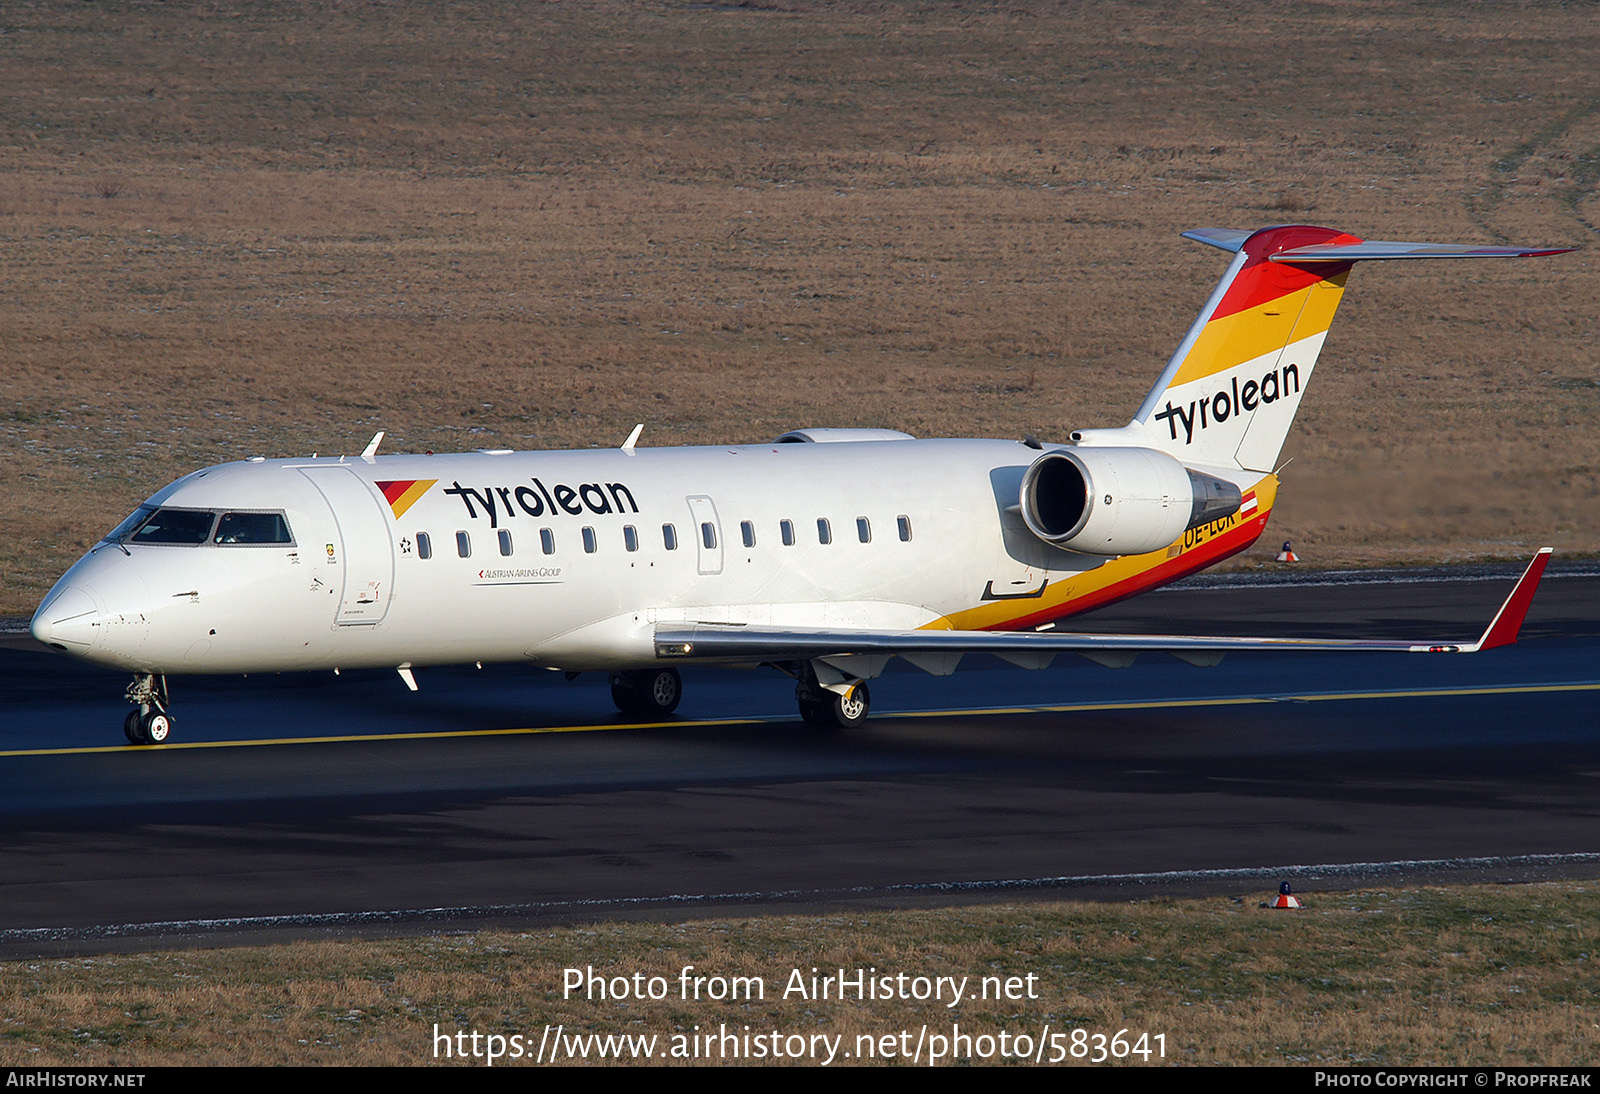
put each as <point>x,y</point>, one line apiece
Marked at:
<point>1346,872</point>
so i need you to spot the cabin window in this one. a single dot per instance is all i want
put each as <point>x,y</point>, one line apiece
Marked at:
<point>905,528</point>
<point>547,541</point>
<point>748,532</point>
<point>708,535</point>
<point>630,537</point>
<point>824,531</point>
<point>253,528</point>
<point>669,537</point>
<point>863,530</point>
<point>424,545</point>
<point>588,541</point>
<point>786,531</point>
<point>463,545</point>
<point>505,541</point>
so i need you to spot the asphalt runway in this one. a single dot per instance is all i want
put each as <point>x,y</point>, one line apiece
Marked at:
<point>296,805</point>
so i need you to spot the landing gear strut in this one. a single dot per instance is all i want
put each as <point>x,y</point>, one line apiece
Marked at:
<point>149,724</point>
<point>653,693</point>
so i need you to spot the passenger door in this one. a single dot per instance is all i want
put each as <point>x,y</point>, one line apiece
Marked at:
<point>365,547</point>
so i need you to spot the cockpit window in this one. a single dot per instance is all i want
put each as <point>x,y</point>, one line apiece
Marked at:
<point>121,531</point>
<point>194,527</point>
<point>255,528</point>
<point>171,526</point>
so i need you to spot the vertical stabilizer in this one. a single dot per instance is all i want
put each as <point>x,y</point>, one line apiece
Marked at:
<point>1229,395</point>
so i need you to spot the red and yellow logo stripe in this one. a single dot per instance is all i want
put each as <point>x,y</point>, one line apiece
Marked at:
<point>404,493</point>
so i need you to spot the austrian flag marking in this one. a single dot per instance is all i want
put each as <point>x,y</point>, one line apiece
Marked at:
<point>403,494</point>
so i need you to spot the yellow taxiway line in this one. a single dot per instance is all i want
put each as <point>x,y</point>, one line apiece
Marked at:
<point>1072,708</point>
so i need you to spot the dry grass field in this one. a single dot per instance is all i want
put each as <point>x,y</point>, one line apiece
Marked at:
<point>240,228</point>
<point>1492,975</point>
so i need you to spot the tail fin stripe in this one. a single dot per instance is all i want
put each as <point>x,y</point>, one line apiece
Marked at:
<point>1262,282</point>
<point>1262,330</point>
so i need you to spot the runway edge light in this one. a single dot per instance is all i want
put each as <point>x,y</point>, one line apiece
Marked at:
<point>1285,899</point>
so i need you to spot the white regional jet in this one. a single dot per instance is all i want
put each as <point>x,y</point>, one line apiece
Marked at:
<point>822,554</point>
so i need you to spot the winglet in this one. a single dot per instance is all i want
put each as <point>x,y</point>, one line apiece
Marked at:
<point>1508,621</point>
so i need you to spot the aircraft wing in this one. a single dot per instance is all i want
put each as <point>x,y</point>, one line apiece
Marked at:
<point>732,642</point>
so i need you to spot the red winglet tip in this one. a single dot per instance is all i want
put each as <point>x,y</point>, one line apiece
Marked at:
<point>1508,622</point>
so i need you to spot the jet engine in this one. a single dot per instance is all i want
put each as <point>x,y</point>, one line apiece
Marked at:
<point>1119,501</point>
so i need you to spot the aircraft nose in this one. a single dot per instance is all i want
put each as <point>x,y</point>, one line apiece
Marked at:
<point>69,621</point>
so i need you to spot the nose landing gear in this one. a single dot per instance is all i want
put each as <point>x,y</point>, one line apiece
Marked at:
<point>149,724</point>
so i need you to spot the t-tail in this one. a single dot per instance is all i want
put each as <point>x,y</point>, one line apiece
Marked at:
<point>1228,396</point>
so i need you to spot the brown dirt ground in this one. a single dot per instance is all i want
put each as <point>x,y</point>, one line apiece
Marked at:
<point>239,228</point>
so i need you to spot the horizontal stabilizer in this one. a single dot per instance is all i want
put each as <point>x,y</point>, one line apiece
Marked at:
<point>1233,240</point>
<point>1229,239</point>
<point>1379,249</point>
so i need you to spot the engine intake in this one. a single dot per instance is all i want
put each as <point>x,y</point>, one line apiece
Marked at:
<point>1119,501</point>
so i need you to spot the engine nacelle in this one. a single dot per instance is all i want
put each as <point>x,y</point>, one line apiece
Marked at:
<point>1119,501</point>
<point>832,436</point>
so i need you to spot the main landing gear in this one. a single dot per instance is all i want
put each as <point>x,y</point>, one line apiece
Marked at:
<point>824,708</point>
<point>653,693</point>
<point>149,723</point>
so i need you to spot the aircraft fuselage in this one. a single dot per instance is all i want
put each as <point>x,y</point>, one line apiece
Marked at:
<point>570,559</point>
